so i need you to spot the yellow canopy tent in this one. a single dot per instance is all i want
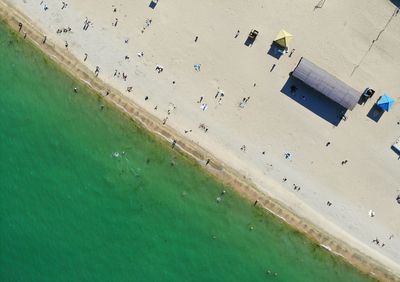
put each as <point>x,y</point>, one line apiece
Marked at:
<point>283,38</point>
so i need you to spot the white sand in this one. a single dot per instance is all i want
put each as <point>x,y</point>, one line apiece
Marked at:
<point>335,37</point>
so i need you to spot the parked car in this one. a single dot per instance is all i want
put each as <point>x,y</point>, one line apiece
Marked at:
<point>367,94</point>
<point>253,34</point>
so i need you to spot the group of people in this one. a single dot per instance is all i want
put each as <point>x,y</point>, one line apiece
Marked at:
<point>219,96</point>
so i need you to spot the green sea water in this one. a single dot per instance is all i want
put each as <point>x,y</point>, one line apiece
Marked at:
<point>85,195</point>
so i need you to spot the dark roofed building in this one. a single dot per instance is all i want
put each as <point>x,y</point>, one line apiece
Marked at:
<point>327,84</point>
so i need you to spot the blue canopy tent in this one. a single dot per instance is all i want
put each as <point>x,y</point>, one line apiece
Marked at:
<point>385,103</point>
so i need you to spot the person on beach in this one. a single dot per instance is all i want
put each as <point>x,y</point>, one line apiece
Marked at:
<point>195,40</point>
<point>237,33</point>
<point>115,23</point>
<point>272,68</point>
<point>44,39</point>
<point>20,26</point>
<point>86,55</point>
<point>159,68</point>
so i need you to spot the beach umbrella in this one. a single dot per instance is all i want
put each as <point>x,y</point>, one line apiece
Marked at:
<point>385,103</point>
<point>283,38</point>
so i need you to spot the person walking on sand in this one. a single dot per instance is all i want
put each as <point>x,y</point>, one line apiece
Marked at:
<point>237,33</point>
<point>44,39</point>
<point>97,71</point>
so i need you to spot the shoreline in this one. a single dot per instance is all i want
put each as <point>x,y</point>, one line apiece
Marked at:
<point>222,172</point>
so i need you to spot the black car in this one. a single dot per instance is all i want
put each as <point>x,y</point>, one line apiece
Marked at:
<point>368,93</point>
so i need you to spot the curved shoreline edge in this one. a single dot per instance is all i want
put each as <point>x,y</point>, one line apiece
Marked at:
<point>219,170</point>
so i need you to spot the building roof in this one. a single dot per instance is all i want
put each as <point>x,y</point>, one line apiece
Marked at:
<point>326,84</point>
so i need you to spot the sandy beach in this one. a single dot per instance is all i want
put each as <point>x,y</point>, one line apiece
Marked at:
<point>167,64</point>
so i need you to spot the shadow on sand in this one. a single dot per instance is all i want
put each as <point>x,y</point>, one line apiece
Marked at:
<point>249,41</point>
<point>314,101</point>
<point>153,4</point>
<point>275,51</point>
<point>375,113</point>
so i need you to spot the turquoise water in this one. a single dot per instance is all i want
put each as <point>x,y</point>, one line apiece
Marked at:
<point>88,196</point>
